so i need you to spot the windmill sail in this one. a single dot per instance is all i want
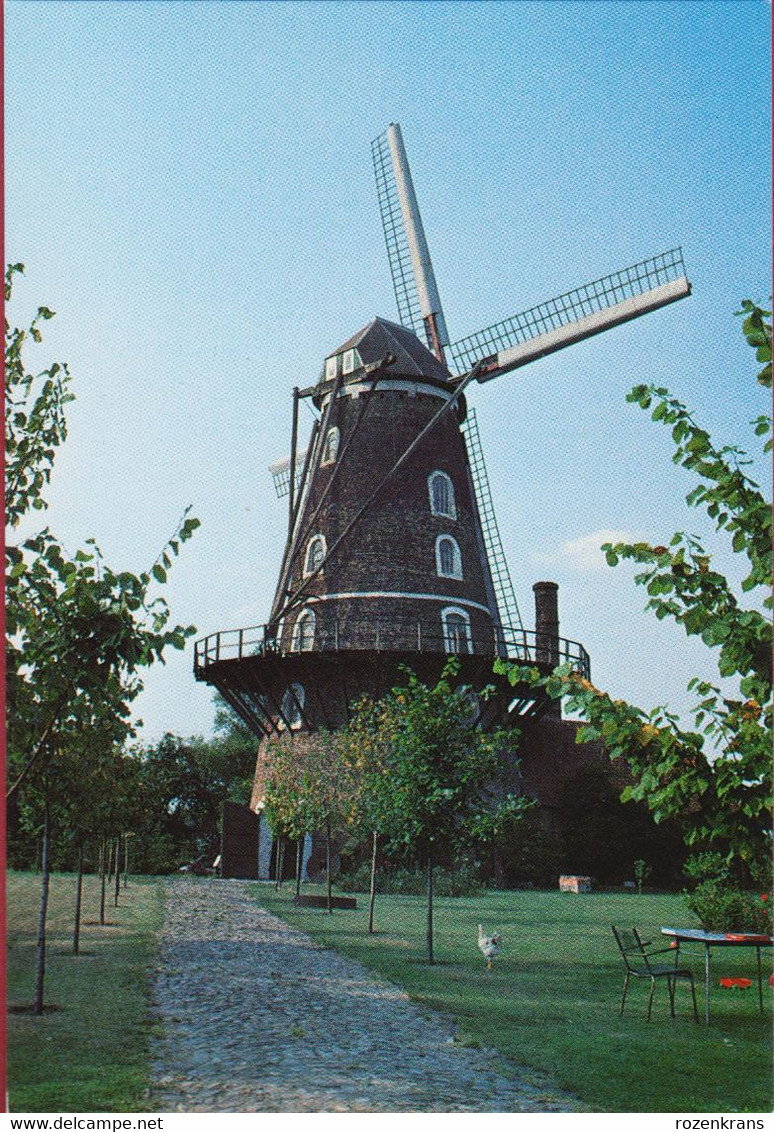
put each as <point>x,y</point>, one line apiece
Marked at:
<point>573,316</point>
<point>510,618</point>
<point>416,293</point>
<point>280,473</point>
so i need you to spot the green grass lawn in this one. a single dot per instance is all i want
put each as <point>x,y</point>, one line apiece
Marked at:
<point>90,1053</point>
<point>551,1002</point>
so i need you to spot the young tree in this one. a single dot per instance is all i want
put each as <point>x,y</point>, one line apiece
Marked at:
<point>714,780</point>
<point>435,789</point>
<point>283,805</point>
<point>78,633</point>
<point>311,787</point>
<point>366,751</point>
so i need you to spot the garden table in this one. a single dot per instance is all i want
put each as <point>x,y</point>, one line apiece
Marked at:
<point>719,939</point>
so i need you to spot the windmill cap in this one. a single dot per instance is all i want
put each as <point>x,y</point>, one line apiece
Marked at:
<point>412,359</point>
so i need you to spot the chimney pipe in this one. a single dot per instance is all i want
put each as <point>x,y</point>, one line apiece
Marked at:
<point>547,622</point>
<point>547,633</point>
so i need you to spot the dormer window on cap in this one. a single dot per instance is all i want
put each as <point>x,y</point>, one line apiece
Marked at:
<point>344,363</point>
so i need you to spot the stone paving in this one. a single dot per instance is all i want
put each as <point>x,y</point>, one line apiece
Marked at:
<point>259,1018</point>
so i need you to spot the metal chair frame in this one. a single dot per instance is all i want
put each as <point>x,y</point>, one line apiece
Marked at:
<point>636,950</point>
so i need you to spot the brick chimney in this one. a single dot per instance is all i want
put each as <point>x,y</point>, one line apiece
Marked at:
<point>547,629</point>
<point>547,622</point>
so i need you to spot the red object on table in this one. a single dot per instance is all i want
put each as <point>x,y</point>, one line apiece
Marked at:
<point>733,983</point>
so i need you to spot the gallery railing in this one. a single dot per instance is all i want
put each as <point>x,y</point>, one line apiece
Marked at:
<point>520,645</point>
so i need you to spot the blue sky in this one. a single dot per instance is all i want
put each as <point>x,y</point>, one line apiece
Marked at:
<point>190,188</point>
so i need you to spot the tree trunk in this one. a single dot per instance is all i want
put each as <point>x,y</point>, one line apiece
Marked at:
<point>372,898</point>
<point>40,959</point>
<point>299,859</point>
<point>430,957</point>
<point>102,878</point>
<point>110,860</point>
<point>117,887</point>
<point>126,860</point>
<point>328,866</point>
<point>78,897</point>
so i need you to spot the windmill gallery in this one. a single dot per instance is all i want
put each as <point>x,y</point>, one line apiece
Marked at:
<point>393,555</point>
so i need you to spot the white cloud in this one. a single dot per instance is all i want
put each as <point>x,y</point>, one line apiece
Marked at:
<point>584,553</point>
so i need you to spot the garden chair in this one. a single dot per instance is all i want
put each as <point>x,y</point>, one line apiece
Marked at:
<point>637,960</point>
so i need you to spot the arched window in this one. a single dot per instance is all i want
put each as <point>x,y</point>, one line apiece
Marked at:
<point>441,495</point>
<point>330,451</point>
<point>315,553</point>
<point>448,560</point>
<point>456,630</point>
<point>293,705</point>
<point>303,632</point>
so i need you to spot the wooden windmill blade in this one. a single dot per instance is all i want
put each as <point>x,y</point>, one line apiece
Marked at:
<point>573,316</point>
<point>413,278</point>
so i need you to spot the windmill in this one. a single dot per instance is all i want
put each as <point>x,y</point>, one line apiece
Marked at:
<point>393,554</point>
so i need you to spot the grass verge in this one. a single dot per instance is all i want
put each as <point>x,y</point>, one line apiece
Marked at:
<point>90,1053</point>
<point>551,1002</point>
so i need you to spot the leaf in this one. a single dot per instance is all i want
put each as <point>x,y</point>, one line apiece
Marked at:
<point>159,573</point>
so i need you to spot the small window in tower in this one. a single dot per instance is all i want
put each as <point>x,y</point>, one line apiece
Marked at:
<point>350,361</point>
<point>315,553</point>
<point>330,451</point>
<point>448,560</point>
<point>303,632</point>
<point>292,708</point>
<point>441,495</point>
<point>332,367</point>
<point>456,630</point>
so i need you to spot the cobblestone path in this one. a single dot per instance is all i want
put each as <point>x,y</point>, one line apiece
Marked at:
<point>259,1018</point>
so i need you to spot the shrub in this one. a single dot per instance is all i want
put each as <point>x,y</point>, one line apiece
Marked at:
<point>724,909</point>
<point>462,881</point>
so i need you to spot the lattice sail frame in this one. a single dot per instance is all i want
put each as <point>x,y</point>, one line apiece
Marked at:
<point>574,315</point>
<point>505,595</point>
<point>280,473</point>
<point>398,254</point>
<point>515,341</point>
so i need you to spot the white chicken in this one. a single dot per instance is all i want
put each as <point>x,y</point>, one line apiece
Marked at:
<point>489,945</point>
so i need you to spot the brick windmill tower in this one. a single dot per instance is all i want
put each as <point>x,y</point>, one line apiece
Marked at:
<point>393,555</point>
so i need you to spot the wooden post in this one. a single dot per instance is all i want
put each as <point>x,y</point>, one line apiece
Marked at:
<point>372,898</point>
<point>293,447</point>
<point>102,877</point>
<point>430,957</point>
<point>78,899</point>
<point>279,861</point>
<point>117,887</point>
<point>299,858</point>
<point>40,959</point>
